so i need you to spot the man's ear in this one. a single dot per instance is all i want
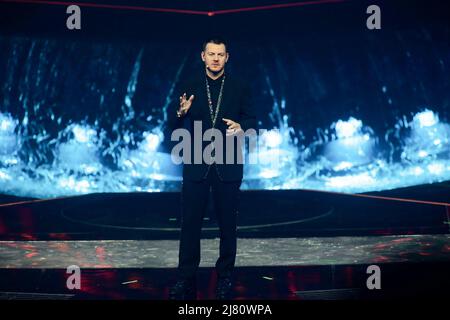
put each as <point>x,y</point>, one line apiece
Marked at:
<point>228,56</point>
<point>202,55</point>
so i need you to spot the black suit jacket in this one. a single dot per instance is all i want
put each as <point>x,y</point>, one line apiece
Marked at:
<point>235,105</point>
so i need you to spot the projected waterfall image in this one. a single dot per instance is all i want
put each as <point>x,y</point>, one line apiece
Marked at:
<point>348,162</point>
<point>78,118</point>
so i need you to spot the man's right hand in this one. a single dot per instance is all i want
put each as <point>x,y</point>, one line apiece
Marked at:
<point>185,105</point>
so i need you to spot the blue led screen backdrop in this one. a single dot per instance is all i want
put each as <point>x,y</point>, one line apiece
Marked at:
<point>346,109</point>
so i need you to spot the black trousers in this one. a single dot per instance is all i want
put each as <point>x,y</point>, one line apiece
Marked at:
<point>194,197</point>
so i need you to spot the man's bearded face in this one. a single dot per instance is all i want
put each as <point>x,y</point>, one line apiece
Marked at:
<point>215,57</point>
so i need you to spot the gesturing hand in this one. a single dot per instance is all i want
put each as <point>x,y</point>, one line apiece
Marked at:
<point>184,104</point>
<point>233,127</point>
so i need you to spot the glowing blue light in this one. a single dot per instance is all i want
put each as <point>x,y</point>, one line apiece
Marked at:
<point>135,174</point>
<point>436,168</point>
<point>426,118</point>
<point>88,169</point>
<point>361,180</point>
<point>344,165</point>
<point>345,158</point>
<point>352,148</point>
<point>268,173</point>
<point>6,125</point>
<point>418,171</point>
<point>349,164</point>
<point>157,176</point>
<point>422,154</point>
<point>152,141</point>
<point>428,138</point>
<point>4,175</point>
<point>272,138</point>
<point>147,162</point>
<point>9,143</point>
<point>82,186</point>
<point>83,134</point>
<point>81,153</point>
<point>273,158</point>
<point>347,129</point>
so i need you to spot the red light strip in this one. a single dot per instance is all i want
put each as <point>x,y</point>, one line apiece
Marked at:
<point>434,203</point>
<point>180,11</point>
<point>33,201</point>
<point>108,6</point>
<point>275,6</point>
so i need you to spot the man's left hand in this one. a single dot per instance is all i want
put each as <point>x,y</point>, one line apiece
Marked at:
<point>233,127</point>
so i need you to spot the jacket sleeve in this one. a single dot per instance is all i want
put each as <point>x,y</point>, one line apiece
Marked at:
<point>247,111</point>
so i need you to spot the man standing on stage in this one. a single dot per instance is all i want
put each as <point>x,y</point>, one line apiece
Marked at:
<point>216,100</point>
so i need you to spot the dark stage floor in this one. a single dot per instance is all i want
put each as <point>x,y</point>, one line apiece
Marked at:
<point>262,214</point>
<point>295,245</point>
<point>252,252</point>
